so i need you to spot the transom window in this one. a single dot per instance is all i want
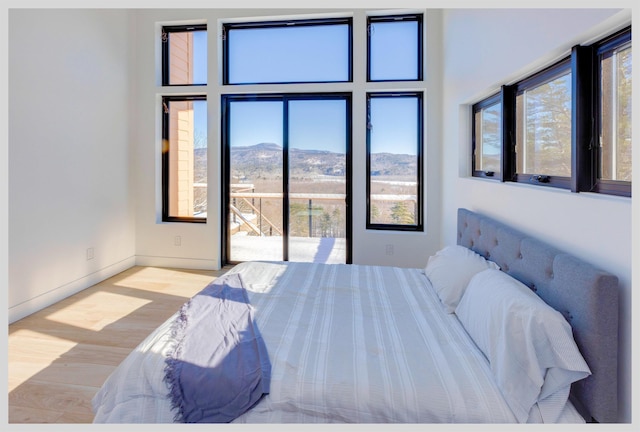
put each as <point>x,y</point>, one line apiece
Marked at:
<point>184,55</point>
<point>394,47</point>
<point>303,51</point>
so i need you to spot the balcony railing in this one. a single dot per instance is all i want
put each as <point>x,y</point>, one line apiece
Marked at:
<point>253,201</point>
<point>246,208</point>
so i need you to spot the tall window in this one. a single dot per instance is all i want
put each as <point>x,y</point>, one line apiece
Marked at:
<point>286,160</point>
<point>184,159</point>
<point>394,161</point>
<point>287,177</point>
<point>301,51</point>
<point>287,152</point>
<point>394,124</point>
<point>184,124</point>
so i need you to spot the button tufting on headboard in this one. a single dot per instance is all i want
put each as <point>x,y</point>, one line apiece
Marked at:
<point>586,296</point>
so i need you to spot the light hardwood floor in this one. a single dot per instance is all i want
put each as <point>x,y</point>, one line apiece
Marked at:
<point>59,357</point>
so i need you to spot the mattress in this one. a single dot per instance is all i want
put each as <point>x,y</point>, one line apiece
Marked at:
<point>347,344</point>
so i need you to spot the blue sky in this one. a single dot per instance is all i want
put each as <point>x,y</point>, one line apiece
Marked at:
<point>310,52</point>
<point>394,125</point>
<point>318,124</point>
<point>321,124</point>
<point>394,48</point>
<point>200,58</point>
<point>290,54</point>
<point>200,76</point>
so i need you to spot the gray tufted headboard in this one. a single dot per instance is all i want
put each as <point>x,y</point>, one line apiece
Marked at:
<point>585,295</point>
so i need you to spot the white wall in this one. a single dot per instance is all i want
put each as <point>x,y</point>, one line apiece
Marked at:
<point>69,182</point>
<point>484,49</point>
<point>200,242</point>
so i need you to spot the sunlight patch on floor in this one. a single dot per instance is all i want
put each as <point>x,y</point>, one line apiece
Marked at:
<point>90,312</point>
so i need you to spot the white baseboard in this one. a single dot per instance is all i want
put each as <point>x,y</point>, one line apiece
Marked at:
<point>172,262</point>
<point>60,293</point>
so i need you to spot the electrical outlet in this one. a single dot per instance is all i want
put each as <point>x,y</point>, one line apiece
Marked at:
<point>89,254</point>
<point>388,249</point>
<point>177,241</point>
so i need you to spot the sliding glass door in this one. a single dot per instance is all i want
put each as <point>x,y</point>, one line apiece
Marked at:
<point>287,177</point>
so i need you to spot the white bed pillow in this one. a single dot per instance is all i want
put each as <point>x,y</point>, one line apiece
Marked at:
<point>450,271</point>
<point>529,345</point>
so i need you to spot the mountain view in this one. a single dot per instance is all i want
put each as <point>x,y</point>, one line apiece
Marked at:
<point>264,160</point>
<point>314,174</point>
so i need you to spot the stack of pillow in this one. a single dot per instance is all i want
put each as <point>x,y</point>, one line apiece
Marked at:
<point>529,345</point>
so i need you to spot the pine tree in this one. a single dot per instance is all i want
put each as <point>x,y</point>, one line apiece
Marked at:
<point>400,214</point>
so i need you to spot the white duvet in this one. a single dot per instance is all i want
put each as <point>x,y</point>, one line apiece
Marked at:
<point>347,343</point>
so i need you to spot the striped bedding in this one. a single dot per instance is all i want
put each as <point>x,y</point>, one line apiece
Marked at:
<point>347,343</point>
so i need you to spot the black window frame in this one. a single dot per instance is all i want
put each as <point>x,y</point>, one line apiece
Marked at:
<point>166,217</point>
<point>419,225</point>
<point>605,47</point>
<point>230,26</point>
<point>419,18</point>
<point>584,65</point>
<point>477,107</point>
<point>166,54</point>
<point>547,75</point>
<point>285,97</point>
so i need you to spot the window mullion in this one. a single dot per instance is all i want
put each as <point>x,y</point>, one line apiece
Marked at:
<point>583,144</point>
<point>508,101</point>
<point>285,178</point>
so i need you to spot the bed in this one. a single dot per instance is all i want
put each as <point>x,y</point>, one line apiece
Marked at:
<point>334,343</point>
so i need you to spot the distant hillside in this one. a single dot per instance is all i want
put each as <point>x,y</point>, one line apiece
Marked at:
<point>393,165</point>
<point>264,160</point>
<point>257,147</point>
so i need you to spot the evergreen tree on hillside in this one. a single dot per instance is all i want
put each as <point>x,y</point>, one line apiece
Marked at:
<point>400,214</point>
